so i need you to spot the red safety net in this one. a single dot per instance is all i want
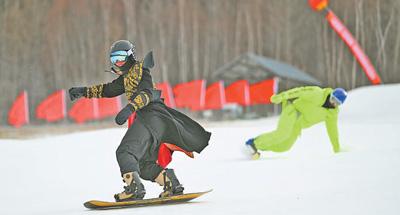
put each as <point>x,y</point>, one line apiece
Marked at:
<point>18,114</point>
<point>190,95</point>
<point>109,106</point>
<point>215,96</point>
<point>261,92</point>
<point>167,94</point>
<point>84,109</point>
<point>238,92</point>
<point>53,108</point>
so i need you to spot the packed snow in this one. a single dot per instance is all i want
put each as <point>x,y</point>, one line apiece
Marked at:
<point>57,174</point>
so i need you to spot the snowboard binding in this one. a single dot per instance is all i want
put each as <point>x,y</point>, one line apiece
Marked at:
<point>134,189</point>
<point>172,186</point>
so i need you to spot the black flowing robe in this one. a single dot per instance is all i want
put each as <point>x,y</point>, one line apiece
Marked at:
<point>164,123</point>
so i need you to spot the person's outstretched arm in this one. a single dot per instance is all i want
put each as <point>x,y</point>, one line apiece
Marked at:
<point>297,92</point>
<point>112,89</point>
<point>332,129</point>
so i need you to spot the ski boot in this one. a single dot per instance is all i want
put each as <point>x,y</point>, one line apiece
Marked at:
<point>134,189</point>
<point>172,186</point>
<point>255,155</point>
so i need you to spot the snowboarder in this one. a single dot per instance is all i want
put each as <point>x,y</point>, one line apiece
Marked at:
<point>138,152</point>
<point>302,107</point>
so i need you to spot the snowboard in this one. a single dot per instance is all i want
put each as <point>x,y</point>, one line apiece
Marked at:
<point>103,205</point>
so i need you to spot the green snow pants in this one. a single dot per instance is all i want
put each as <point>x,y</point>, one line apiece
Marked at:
<point>283,138</point>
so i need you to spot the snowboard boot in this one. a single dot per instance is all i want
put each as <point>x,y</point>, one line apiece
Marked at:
<point>172,186</point>
<point>255,155</point>
<point>134,189</point>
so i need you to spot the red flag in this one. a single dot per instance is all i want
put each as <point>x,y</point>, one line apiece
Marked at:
<point>318,5</point>
<point>109,106</point>
<point>190,94</point>
<point>261,92</point>
<point>215,96</point>
<point>355,48</point>
<point>53,108</point>
<point>166,93</point>
<point>84,109</point>
<point>18,114</point>
<point>238,92</point>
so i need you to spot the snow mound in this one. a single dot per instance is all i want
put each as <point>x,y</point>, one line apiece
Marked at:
<point>373,103</point>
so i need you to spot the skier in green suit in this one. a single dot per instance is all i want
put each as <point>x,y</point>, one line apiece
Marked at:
<point>302,107</point>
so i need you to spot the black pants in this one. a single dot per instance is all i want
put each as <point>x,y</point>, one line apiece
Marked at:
<point>134,153</point>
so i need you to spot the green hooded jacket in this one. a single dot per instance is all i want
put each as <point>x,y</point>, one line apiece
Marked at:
<point>308,102</point>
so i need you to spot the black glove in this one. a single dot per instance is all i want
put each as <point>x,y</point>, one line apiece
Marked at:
<point>124,114</point>
<point>76,92</point>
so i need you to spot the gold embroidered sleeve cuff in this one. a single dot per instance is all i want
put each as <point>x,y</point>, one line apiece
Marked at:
<point>141,100</point>
<point>95,91</point>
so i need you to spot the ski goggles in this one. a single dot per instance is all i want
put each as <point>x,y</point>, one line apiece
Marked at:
<point>119,58</point>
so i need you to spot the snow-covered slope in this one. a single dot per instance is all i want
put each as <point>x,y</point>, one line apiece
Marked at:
<point>379,103</point>
<point>55,175</point>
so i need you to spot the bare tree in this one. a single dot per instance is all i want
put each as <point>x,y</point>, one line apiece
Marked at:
<point>62,43</point>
